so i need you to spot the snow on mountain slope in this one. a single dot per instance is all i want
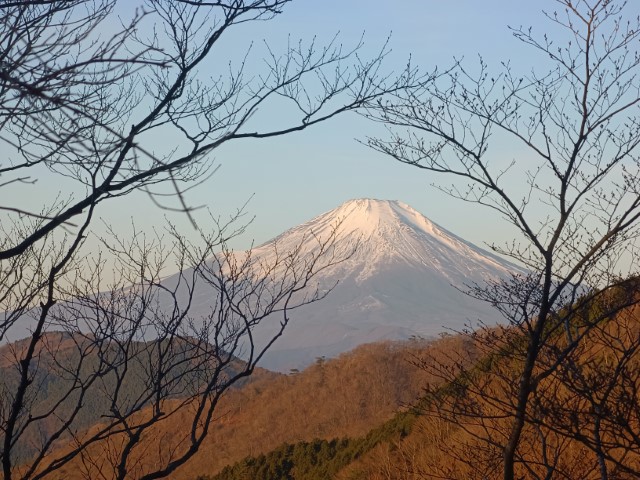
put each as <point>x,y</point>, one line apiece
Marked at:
<point>403,278</point>
<point>391,231</point>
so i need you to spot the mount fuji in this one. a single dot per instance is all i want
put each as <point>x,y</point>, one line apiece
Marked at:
<point>403,279</point>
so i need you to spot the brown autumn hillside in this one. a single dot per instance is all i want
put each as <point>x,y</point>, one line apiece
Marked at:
<point>340,397</point>
<point>54,379</point>
<point>352,395</point>
<point>585,425</point>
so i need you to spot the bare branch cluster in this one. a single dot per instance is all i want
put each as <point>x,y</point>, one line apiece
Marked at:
<point>572,192</point>
<point>86,88</point>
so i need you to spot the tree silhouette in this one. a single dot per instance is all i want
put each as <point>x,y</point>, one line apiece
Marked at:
<point>84,93</point>
<point>572,193</point>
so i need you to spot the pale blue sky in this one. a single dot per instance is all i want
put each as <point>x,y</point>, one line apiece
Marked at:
<point>294,178</point>
<point>299,176</point>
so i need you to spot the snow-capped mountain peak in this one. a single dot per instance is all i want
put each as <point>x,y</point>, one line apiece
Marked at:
<point>384,232</point>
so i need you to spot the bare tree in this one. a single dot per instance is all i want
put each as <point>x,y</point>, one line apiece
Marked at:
<point>590,399</point>
<point>573,197</point>
<point>83,94</point>
<point>137,357</point>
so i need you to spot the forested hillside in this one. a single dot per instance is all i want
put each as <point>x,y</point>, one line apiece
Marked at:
<point>357,397</point>
<point>584,426</point>
<point>337,398</point>
<point>422,408</point>
<point>66,364</point>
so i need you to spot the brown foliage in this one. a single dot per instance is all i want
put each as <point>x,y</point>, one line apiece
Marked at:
<point>583,424</point>
<point>340,397</point>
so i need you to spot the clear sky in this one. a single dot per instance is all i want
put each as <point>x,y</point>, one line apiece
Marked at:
<point>299,176</point>
<point>294,178</point>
